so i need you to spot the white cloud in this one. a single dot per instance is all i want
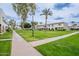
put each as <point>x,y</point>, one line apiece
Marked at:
<point>65,13</point>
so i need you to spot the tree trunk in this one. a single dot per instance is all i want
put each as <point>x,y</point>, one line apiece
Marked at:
<point>23,23</point>
<point>46,23</point>
<point>32,26</point>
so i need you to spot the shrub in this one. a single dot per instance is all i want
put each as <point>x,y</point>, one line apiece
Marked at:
<point>8,29</point>
<point>26,25</point>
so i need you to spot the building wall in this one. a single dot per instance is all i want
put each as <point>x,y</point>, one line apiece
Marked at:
<point>60,25</point>
<point>3,25</point>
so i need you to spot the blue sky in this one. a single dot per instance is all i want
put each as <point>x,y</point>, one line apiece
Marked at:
<point>66,12</point>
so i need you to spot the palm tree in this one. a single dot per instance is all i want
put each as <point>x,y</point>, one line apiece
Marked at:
<point>22,10</point>
<point>46,12</point>
<point>32,14</point>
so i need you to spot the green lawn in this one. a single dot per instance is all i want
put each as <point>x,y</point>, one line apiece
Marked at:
<point>65,47</point>
<point>5,46</point>
<point>6,35</point>
<point>26,34</point>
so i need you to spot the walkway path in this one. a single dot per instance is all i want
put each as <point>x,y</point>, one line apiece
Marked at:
<point>44,41</point>
<point>20,47</point>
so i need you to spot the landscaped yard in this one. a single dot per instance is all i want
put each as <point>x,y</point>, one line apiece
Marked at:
<point>27,34</point>
<point>5,45</point>
<point>5,48</point>
<point>6,35</point>
<point>64,47</point>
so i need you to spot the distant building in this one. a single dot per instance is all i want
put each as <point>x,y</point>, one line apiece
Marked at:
<point>55,26</point>
<point>74,26</point>
<point>59,26</point>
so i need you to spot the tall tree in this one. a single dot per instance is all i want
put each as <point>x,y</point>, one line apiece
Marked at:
<point>22,10</point>
<point>32,14</point>
<point>46,12</point>
<point>12,23</point>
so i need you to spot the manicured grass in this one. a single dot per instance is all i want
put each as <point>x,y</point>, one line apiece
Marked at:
<point>6,35</point>
<point>27,34</point>
<point>5,48</point>
<point>64,47</point>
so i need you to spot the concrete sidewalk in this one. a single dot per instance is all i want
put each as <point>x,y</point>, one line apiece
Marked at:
<point>44,41</point>
<point>20,47</point>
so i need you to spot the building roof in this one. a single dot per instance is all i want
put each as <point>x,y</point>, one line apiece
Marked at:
<point>51,23</point>
<point>57,23</point>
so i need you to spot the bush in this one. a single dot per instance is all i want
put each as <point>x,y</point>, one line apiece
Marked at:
<point>8,29</point>
<point>64,29</point>
<point>26,25</point>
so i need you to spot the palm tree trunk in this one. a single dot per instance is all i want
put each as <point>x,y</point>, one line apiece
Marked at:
<point>23,24</point>
<point>32,26</point>
<point>46,23</point>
